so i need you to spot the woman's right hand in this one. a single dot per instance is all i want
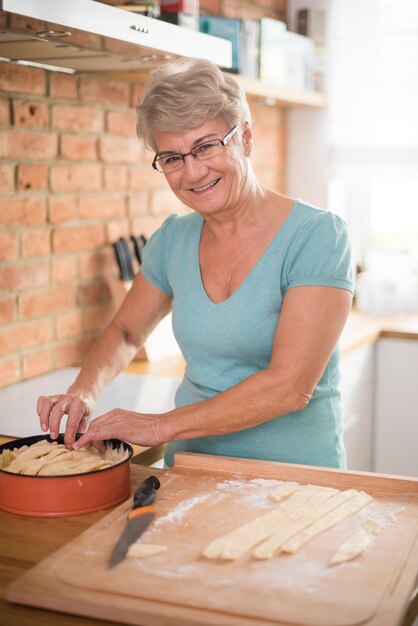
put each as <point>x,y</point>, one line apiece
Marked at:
<point>51,410</point>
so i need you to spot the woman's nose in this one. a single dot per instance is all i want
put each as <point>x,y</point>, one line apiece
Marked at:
<point>194,168</point>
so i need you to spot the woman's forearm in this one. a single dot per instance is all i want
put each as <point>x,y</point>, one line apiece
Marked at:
<point>262,396</point>
<point>110,355</point>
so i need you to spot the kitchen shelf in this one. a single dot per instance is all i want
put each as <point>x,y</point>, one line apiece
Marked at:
<point>282,97</point>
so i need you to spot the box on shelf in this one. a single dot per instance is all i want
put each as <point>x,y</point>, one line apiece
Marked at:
<point>286,58</point>
<point>180,6</point>
<point>312,23</point>
<point>250,58</point>
<point>226,28</point>
<point>186,20</point>
<point>183,13</point>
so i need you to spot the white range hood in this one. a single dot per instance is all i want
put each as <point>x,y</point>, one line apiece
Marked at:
<point>84,35</point>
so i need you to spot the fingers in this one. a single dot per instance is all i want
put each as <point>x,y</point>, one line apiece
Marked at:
<point>77,421</point>
<point>44,407</point>
<point>51,410</point>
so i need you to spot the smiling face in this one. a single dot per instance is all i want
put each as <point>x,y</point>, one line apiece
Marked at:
<point>216,184</point>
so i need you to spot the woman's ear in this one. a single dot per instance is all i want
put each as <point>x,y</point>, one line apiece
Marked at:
<point>247,139</point>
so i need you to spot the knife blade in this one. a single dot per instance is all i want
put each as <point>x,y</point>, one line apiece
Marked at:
<point>139,517</point>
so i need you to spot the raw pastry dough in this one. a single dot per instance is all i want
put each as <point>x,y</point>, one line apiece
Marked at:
<point>53,459</point>
<point>303,513</point>
<point>239,541</point>
<point>282,492</point>
<point>357,543</point>
<point>312,511</point>
<point>143,550</point>
<point>329,520</point>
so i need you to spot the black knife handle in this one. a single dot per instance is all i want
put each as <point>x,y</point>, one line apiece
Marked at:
<point>145,493</point>
<point>127,257</point>
<point>138,243</point>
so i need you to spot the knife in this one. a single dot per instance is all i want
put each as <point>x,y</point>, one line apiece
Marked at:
<point>124,261</point>
<point>139,518</point>
<point>139,243</point>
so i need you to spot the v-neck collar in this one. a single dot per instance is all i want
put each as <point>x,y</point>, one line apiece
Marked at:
<point>281,230</point>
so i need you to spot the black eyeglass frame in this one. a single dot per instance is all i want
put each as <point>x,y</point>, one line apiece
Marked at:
<point>223,143</point>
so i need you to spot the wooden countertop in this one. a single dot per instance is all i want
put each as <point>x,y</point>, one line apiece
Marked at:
<point>364,328</point>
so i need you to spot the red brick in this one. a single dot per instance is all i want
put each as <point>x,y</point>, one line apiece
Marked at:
<point>7,182</point>
<point>139,204</point>
<point>23,275</point>
<point>23,210</point>
<point>63,86</point>
<point>22,79</point>
<point>146,225</point>
<point>64,268</point>
<point>103,205</point>
<point>62,209</point>
<point>7,309</point>
<point>98,263</point>
<point>37,363</point>
<point>14,338</point>
<point>211,7</point>
<point>9,245</point>
<point>114,149</point>
<point>116,229</point>
<point>30,113</point>
<point>81,118</point>
<point>32,177</point>
<point>98,317</point>
<point>46,301</point>
<point>9,372</point>
<point>104,91</point>
<point>165,202</point>
<point>143,176</point>
<point>79,238</point>
<point>115,178</point>
<point>28,144</point>
<point>4,112</point>
<point>36,242</point>
<point>77,148</point>
<point>93,293</point>
<point>73,352</point>
<point>83,177</point>
<point>69,324</point>
<point>123,122</point>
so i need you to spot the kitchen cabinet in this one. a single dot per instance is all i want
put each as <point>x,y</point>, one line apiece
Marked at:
<point>396,412</point>
<point>357,383</point>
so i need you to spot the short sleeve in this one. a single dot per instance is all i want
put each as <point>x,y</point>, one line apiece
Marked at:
<point>155,254</point>
<point>320,254</point>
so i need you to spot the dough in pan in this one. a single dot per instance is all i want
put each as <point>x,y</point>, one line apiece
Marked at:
<point>52,459</point>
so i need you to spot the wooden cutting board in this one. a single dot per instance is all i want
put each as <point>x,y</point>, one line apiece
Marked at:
<point>202,498</point>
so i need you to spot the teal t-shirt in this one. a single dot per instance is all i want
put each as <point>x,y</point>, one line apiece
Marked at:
<point>225,343</point>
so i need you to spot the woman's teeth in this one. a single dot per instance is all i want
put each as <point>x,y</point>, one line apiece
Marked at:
<point>206,186</point>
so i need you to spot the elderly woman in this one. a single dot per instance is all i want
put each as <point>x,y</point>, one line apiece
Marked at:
<point>259,284</point>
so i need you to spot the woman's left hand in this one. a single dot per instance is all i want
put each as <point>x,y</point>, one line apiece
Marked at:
<point>138,428</point>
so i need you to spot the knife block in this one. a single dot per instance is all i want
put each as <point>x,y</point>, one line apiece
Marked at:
<point>161,343</point>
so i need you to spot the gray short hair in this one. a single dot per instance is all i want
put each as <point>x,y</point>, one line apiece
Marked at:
<point>183,95</point>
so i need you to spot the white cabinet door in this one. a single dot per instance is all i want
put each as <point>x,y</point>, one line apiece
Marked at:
<point>357,381</point>
<point>396,407</point>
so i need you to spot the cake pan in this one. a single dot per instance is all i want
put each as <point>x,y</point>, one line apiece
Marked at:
<point>63,496</point>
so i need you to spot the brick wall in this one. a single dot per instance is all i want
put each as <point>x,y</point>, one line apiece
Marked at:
<point>73,179</point>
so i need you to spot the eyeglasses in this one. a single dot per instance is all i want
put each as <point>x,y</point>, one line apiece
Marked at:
<point>171,162</point>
